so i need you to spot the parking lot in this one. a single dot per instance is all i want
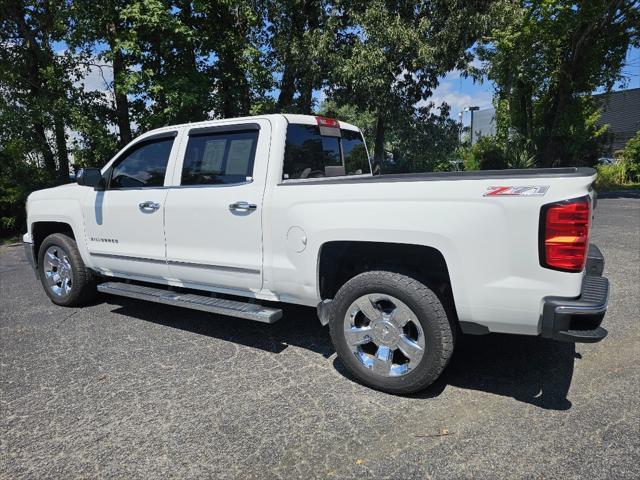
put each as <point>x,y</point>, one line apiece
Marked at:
<point>126,389</point>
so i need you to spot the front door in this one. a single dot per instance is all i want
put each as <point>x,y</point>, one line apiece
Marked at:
<point>124,223</point>
<point>213,218</point>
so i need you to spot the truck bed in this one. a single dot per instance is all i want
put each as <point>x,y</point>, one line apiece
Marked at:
<point>450,176</point>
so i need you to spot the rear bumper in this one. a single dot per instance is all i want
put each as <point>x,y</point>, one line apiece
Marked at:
<point>579,319</point>
<point>595,261</point>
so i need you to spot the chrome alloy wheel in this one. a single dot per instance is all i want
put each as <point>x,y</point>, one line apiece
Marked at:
<point>384,335</point>
<point>58,271</point>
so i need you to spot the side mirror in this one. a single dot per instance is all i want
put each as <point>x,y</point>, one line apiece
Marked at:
<point>90,177</point>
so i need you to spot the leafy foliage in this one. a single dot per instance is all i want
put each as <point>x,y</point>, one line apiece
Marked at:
<point>425,141</point>
<point>391,54</point>
<point>494,153</point>
<point>626,170</point>
<point>375,64</point>
<point>631,154</point>
<point>546,63</point>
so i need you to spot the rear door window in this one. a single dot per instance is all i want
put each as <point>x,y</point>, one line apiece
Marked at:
<point>308,154</point>
<point>219,158</point>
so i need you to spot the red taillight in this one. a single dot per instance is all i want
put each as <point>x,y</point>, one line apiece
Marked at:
<point>328,122</point>
<point>564,234</point>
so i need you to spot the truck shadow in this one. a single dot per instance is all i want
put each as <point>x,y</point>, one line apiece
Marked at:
<point>529,369</point>
<point>532,370</point>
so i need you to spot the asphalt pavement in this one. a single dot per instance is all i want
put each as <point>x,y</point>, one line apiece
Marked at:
<point>127,389</point>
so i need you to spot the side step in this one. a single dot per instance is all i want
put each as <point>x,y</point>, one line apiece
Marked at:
<point>231,308</point>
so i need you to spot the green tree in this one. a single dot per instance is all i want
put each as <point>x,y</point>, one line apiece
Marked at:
<point>631,158</point>
<point>240,69</point>
<point>547,62</point>
<point>37,83</point>
<point>296,31</point>
<point>390,54</point>
<point>349,113</point>
<point>102,24</point>
<point>165,44</point>
<point>426,140</point>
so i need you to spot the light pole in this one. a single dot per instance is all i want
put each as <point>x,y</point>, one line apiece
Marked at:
<point>471,109</point>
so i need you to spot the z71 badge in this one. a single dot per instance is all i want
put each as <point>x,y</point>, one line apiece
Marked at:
<point>525,191</point>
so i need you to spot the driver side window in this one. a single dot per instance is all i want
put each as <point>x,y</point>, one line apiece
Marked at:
<point>143,165</point>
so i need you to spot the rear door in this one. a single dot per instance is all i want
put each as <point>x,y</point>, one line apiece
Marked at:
<point>213,218</point>
<point>124,224</point>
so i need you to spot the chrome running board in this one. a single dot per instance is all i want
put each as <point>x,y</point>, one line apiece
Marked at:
<point>231,308</point>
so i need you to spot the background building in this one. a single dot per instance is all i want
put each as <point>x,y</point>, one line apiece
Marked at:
<point>620,110</point>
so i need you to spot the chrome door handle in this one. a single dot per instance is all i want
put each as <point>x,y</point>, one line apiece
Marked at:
<point>242,207</point>
<point>149,206</point>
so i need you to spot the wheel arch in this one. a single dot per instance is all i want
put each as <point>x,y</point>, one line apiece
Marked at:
<point>339,261</point>
<point>42,229</point>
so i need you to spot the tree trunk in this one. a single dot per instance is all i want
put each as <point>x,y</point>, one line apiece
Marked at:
<point>287,87</point>
<point>44,148</point>
<point>306,95</point>
<point>34,60</point>
<point>553,140</point>
<point>378,155</point>
<point>63,154</point>
<point>550,144</point>
<point>307,75</point>
<point>197,109</point>
<point>234,88</point>
<point>121,100</point>
<point>291,62</point>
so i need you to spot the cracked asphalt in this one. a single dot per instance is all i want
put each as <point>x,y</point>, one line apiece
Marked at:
<point>127,389</point>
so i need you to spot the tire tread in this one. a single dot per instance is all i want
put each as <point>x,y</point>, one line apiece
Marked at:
<point>84,279</point>
<point>422,295</point>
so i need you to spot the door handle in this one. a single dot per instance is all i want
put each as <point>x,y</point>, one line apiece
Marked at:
<point>242,207</point>
<point>149,206</point>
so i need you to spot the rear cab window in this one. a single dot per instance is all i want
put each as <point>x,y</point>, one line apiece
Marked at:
<point>318,151</point>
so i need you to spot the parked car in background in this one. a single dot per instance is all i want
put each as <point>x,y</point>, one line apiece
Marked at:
<point>606,161</point>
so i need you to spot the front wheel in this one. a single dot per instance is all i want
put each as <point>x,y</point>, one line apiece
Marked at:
<point>391,331</point>
<point>64,276</point>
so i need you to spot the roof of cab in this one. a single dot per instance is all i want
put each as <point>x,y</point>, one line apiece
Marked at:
<point>311,120</point>
<point>290,118</point>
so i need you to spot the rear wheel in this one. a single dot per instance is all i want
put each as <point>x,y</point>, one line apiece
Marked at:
<point>391,331</point>
<point>64,276</point>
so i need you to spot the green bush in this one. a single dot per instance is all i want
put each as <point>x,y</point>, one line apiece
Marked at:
<point>488,153</point>
<point>485,154</point>
<point>611,176</point>
<point>631,155</point>
<point>626,170</point>
<point>17,181</point>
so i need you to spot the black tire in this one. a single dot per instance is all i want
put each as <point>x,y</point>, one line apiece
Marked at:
<point>427,308</point>
<point>82,287</point>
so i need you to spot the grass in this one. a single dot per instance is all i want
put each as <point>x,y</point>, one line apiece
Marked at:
<point>621,175</point>
<point>10,239</point>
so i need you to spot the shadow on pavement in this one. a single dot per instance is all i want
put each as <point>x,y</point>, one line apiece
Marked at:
<point>529,369</point>
<point>299,325</point>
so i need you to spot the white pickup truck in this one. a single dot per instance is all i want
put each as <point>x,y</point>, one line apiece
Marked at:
<point>229,216</point>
